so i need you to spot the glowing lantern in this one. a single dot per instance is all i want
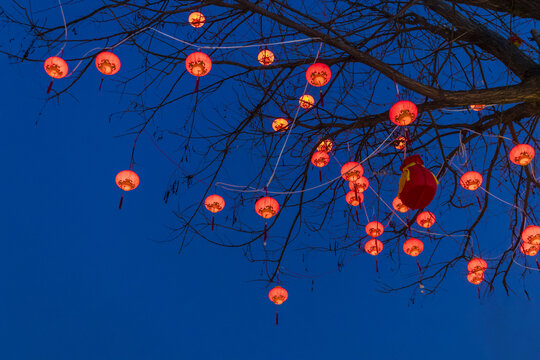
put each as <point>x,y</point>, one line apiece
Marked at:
<point>529,249</point>
<point>320,159</point>
<point>515,40</point>
<point>198,64</point>
<point>373,247</point>
<point>107,63</point>
<point>278,295</point>
<point>413,247</point>
<point>417,185</point>
<point>196,19</point>
<point>477,107</point>
<point>403,113</point>
<point>306,101</point>
<point>265,57</point>
<point>425,219</point>
<point>531,235</point>
<point>359,185</point>
<point>127,180</point>
<point>475,278</point>
<point>521,154</point>
<point>214,203</point>
<point>325,145</point>
<point>266,207</point>
<point>400,143</point>
<point>353,198</point>
<point>56,67</point>
<point>352,171</point>
<point>471,180</point>
<point>374,229</point>
<point>280,124</point>
<point>399,206</point>
<point>477,265</point>
<point>318,74</point>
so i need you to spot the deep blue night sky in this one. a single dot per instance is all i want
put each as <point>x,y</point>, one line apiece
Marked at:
<point>80,279</point>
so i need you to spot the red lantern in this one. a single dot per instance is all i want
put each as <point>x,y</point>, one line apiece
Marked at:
<point>280,125</point>
<point>266,207</point>
<point>374,229</point>
<point>477,107</point>
<point>400,143</point>
<point>214,203</point>
<point>477,265</point>
<point>127,180</point>
<point>475,278</point>
<point>266,57</point>
<point>198,64</point>
<point>515,40</point>
<point>320,159</point>
<point>529,249</point>
<point>56,67</point>
<point>425,219</point>
<point>359,185</point>
<point>521,154</point>
<point>531,235</point>
<point>352,171</point>
<point>413,247</point>
<point>353,198</point>
<point>278,295</point>
<point>196,19</point>
<point>325,145</point>
<point>399,206</point>
<point>373,247</point>
<point>107,63</point>
<point>318,74</point>
<point>471,180</point>
<point>306,101</point>
<point>403,113</point>
<point>417,186</point>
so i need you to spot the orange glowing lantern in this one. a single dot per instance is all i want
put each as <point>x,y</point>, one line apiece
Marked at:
<point>475,278</point>
<point>477,107</point>
<point>477,265</point>
<point>353,198</point>
<point>352,171</point>
<point>359,185</point>
<point>127,180</point>
<point>56,67</point>
<point>214,203</point>
<point>325,145</point>
<point>373,247</point>
<point>521,154</point>
<point>278,295</point>
<point>198,64</point>
<point>400,143</point>
<point>266,207</point>
<point>318,74</point>
<point>515,40</point>
<point>266,57</point>
<point>320,159</point>
<point>531,235</point>
<point>529,249</point>
<point>425,219</point>
<point>413,247</point>
<point>306,101</point>
<point>399,206</point>
<point>403,113</point>
<point>471,180</point>
<point>196,19</point>
<point>374,229</point>
<point>280,125</point>
<point>107,63</point>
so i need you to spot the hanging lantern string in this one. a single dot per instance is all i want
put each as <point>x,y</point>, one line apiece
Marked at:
<point>65,28</point>
<point>232,46</point>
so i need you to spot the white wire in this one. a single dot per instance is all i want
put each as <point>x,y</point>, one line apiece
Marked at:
<point>65,28</point>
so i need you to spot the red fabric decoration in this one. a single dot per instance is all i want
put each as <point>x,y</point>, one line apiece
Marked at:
<point>127,180</point>
<point>531,235</point>
<point>318,74</point>
<point>374,229</point>
<point>417,186</point>
<point>477,265</point>
<point>373,247</point>
<point>266,207</point>
<point>198,64</point>
<point>413,247</point>
<point>320,159</point>
<point>475,278</point>
<point>278,295</point>
<point>403,113</point>
<point>471,180</point>
<point>280,124</point>
<point>521,154</point>
<point>425,219</point>
<point>214,203</point>
<point>398,205</point>
<point>352,171</point>
<point>56,67</point>
<point>353,198</point>
<point>359,185</point>
<point>107,63</point>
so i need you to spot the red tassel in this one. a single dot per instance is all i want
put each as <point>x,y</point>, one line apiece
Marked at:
<point>357,219</point>
<point>418,265</point>
<point>49,87</point>
<point>478,293</point>
<point>376,265</point>
<point>479,203</point>
<point>212,222</point>
<point>197,85</point>
<point>277,318</point>
<point>320,175</point>
<point>100,83</point>
<point>264,234</point>
<point>322,98</point>
<point>121,201</point>
<point>537,265</point>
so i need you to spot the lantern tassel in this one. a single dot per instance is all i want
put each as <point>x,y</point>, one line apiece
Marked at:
<point>418,265</point>
<point>121,201</point>
<point>478,293</point>
<point>277,318</point>
<point>197,85</point>
<point>320,175</point>
<point>212,222</point>
<point>376,265</point>
<point>537,265</point>
<point>357,218</point>
<point>322,98</point>
<point>49,87</point>
<point>100,83</point>
<point>479,203</point>
<point>265,233</point>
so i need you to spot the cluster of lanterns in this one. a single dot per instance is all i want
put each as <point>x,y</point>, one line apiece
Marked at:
<point>476,268</point>
<point>530,240</point>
